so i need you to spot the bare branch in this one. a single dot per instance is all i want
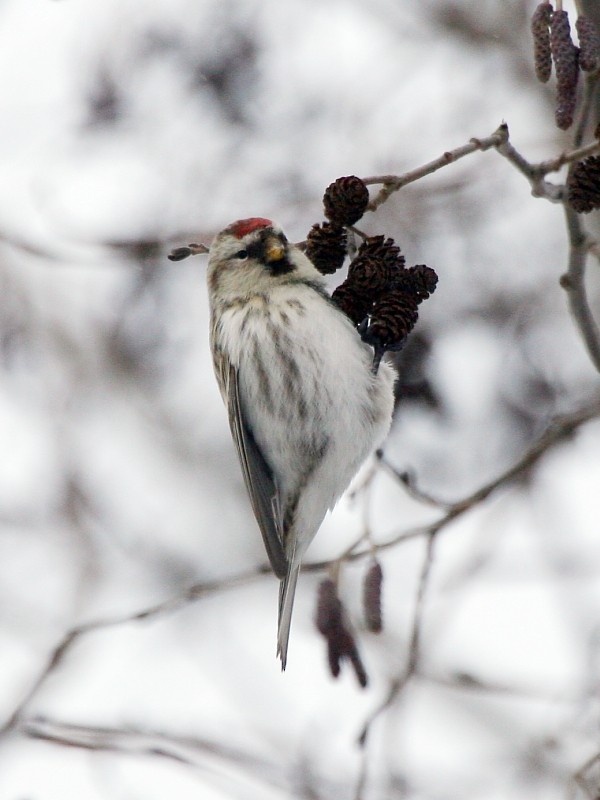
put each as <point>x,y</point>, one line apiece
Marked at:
<point>391,183</point>
<point>398,685</point>
<point>72,636</point>
<point>188,750</point>
<point>573,282</point>
<point>557,431</point>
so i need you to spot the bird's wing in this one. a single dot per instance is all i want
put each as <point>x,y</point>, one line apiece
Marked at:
<point>258,475</point>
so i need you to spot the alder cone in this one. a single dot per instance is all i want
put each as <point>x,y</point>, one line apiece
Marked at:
<point>352,302</point>
<point>375,267</point>
<point>326,247</point>
<point>393,318</point>
<point>420,281</point>
<point>329,608</point>
<point>346,200</point>
<point>583,186</point>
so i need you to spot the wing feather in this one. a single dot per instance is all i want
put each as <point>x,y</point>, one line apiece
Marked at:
<point>258,476</point>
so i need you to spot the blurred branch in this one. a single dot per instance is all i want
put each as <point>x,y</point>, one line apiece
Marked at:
<point>187,750</point>
<point>573,282</point>
<point>72,636</point>
<point>586,780</point>
<point>408,480</point>
<point>558,430</point>
<point>399,683</point>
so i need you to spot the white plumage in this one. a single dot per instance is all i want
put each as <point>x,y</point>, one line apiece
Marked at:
<point>305,408</point>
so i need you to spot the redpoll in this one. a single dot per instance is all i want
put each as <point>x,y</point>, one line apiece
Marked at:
<point>305,407</point>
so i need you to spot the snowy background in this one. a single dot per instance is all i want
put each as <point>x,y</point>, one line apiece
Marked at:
<point>130,128</point>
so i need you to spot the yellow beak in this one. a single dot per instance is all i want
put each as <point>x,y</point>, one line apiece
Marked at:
<point>274,250</point>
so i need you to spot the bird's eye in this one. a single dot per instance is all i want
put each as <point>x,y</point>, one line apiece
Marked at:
<point>241,254</point>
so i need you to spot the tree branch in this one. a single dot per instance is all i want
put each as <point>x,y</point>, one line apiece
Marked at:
<point>573,282</point>
<point>392,183</point>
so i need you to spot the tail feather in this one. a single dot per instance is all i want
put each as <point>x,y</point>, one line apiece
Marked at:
<point>287,591</point>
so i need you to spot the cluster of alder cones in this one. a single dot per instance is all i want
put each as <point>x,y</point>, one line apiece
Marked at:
<point>380,295</point>
<point>552,42</point>
<point>333,624</point>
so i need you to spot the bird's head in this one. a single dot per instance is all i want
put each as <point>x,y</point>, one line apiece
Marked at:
<point>252,256</point>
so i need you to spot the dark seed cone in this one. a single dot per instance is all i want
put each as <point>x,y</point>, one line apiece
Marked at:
<point>542,55</point>
<point>329,608</point>
<point>369,277</point>
<point>419,281</point>
<point>589,43</point>
<point>583,185</point>
<point>340,639</point>
<point>566,62</point>
<point>359,667</point>
<point>382,249</point>
<point>372,597</point>
<point>326,247</point>
<point>346,200</point>
<point>352,302</point>
<point>393,318</point>
<point>375,266</point>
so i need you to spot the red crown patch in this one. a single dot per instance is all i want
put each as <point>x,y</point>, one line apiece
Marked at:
<point>244,226</point>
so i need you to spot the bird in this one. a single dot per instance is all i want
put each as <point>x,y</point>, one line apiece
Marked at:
<point>305,406</point>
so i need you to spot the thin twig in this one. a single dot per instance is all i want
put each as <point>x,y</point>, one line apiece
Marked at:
<point>398,685</point>
<point>63,648</point>
<point>534,173</point>
<point>414,648</point>
<point>580,778</point>
<point>556,432</point>
<point>191,751</point>
<point>392,183</point>
<point>573,282</point>
<point>408,480</point>
<point>499,140</point>
<point>590,98</point>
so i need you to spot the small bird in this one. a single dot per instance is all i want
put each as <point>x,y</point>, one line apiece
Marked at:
<point>305,406</point>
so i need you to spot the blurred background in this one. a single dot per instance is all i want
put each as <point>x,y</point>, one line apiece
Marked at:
<point>129,129</point>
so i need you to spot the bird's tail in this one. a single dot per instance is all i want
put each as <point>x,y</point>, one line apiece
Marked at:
<point>287,590</point>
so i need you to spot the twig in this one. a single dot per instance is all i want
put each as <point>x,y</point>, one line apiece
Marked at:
<point>392,183</point>
<point>573,282</point>
<point>499,140</point>
<point>72,636</point>
<point>407,479</point>
<point>398,685</point>
<point>414,648</point>
<point>580,778</point>
<point>556,432</point>
<point>590,98</point>
<point>188,750</point>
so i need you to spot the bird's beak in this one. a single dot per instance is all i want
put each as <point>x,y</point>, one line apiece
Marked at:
<point>274,250</point>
